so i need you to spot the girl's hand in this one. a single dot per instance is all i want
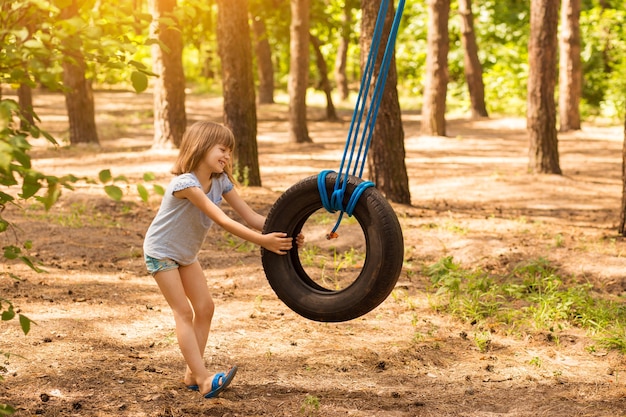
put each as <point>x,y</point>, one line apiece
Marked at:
<point>300,240</point>
<point>277,242</point>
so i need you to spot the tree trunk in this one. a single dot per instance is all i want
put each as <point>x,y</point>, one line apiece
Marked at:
<point>472,66</point>
<point>265,67</point>
<point>386,155</point>
<point>79,99</point>
<point>436,78</point>
<point>341,80</point>
<point>570,68</point>
<point>622,221</point>
<point>235,51</point>
<point>324,83</point>
<point>541,108</point>
<point>298,71</point>
<point>25,99</point>
<point>170,119</point>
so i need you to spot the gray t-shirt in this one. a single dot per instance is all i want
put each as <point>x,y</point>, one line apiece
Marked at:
<point>179,228</point>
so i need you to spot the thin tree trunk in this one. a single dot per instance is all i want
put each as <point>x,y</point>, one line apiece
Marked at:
<point>170,119</point>
<point>570,68</point>
<point>324,83</point>
<point>79,100</point>
<point>541,108</point>
<point>386,156</point>
<point>473,68</point>
<point>298,71</point>
<point>25,99</point>
<point>622,222</point>
<point>341,80</point>
<point>235,51</point>
<point>265,67</point>
<point>436,82</point>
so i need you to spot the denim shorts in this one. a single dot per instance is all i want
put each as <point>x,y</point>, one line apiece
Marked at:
<point>159,265</point>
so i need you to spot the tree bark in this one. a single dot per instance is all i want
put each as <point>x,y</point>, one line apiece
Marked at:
<point>25,99</point>
<point>473,68</point>
<point>170,119</point>
<point>341,80</point>
<point>265,67</point>
<point>541,108</point>
<point>298,71</point>
<point>79,100</point>
<point>436,79</point>
<point>386,163</point>
<point>235,51</point>
<point>324,83</point>
<point>570,68</point>
<point>622,222</point>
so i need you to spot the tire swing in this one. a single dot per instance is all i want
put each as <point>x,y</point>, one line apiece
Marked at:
<point>343,192</point>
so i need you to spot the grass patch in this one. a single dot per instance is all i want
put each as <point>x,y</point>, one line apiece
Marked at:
<point>533,297</point>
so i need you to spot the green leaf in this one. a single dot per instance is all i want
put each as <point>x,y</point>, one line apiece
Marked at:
<point>29,262</point>
<point>114,192</point>
<point>6,410</point>
<point>5,198</point>
<point>25,323</point>
<point>8,314</point>
<point>11,252</point>
<point>158,189</point>
<point>139,80</point>
<point>29,189</point>
<point>105,175</point>
<point>143,192</point>
<point>149,176</point>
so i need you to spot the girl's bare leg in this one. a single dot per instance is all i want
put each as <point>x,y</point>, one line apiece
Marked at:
<point>171,285</point>
<point>197,291</point>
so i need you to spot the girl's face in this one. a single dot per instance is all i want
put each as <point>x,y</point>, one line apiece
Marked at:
<point>217,158</point>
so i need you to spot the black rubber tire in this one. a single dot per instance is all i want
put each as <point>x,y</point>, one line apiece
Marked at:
<point>383,260</point>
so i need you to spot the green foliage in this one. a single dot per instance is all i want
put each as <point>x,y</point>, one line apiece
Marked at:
<point>310,405</point>
<point>604,65</point>
<point>115,192</point>
<point>533,297</point>
<point>7,312</point>
<point>6,410</point>
<point>37,37</point>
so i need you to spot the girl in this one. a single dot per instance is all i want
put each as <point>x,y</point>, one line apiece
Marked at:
<point>189,207</point>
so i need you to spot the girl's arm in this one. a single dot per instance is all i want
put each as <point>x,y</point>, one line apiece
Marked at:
<point>277,242</point>
<point>251,217</point>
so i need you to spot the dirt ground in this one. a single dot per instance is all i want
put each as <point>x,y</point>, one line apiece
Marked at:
<point>104,343</point>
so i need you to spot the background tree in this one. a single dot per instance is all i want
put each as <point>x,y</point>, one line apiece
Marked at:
<point>436,82</point>
<point>235,51</point>
<point>622,223</point>
<point>263,51</point>
<point>346,29</point>
<point>298,71</point>
<point>471,63</point>
<point>386,157</point>
<point>570,69</point>
<point>541,113</point>
<point>323,83</point>
<point>170,119</point>
<point>79,100</point>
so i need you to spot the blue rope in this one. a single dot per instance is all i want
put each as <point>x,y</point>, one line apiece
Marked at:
<point>334,203</point>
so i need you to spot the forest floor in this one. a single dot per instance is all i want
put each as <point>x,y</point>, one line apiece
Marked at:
<point>104,343</point>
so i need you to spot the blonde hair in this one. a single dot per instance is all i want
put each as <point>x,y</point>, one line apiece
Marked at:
<point>197,140</point>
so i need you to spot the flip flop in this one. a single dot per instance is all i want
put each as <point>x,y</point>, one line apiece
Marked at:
<point>220,382</point>
<point>193,387</point>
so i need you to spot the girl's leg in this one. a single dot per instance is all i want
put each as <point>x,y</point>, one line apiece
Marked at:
<point>197,291</point>
<point>171,285</point>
